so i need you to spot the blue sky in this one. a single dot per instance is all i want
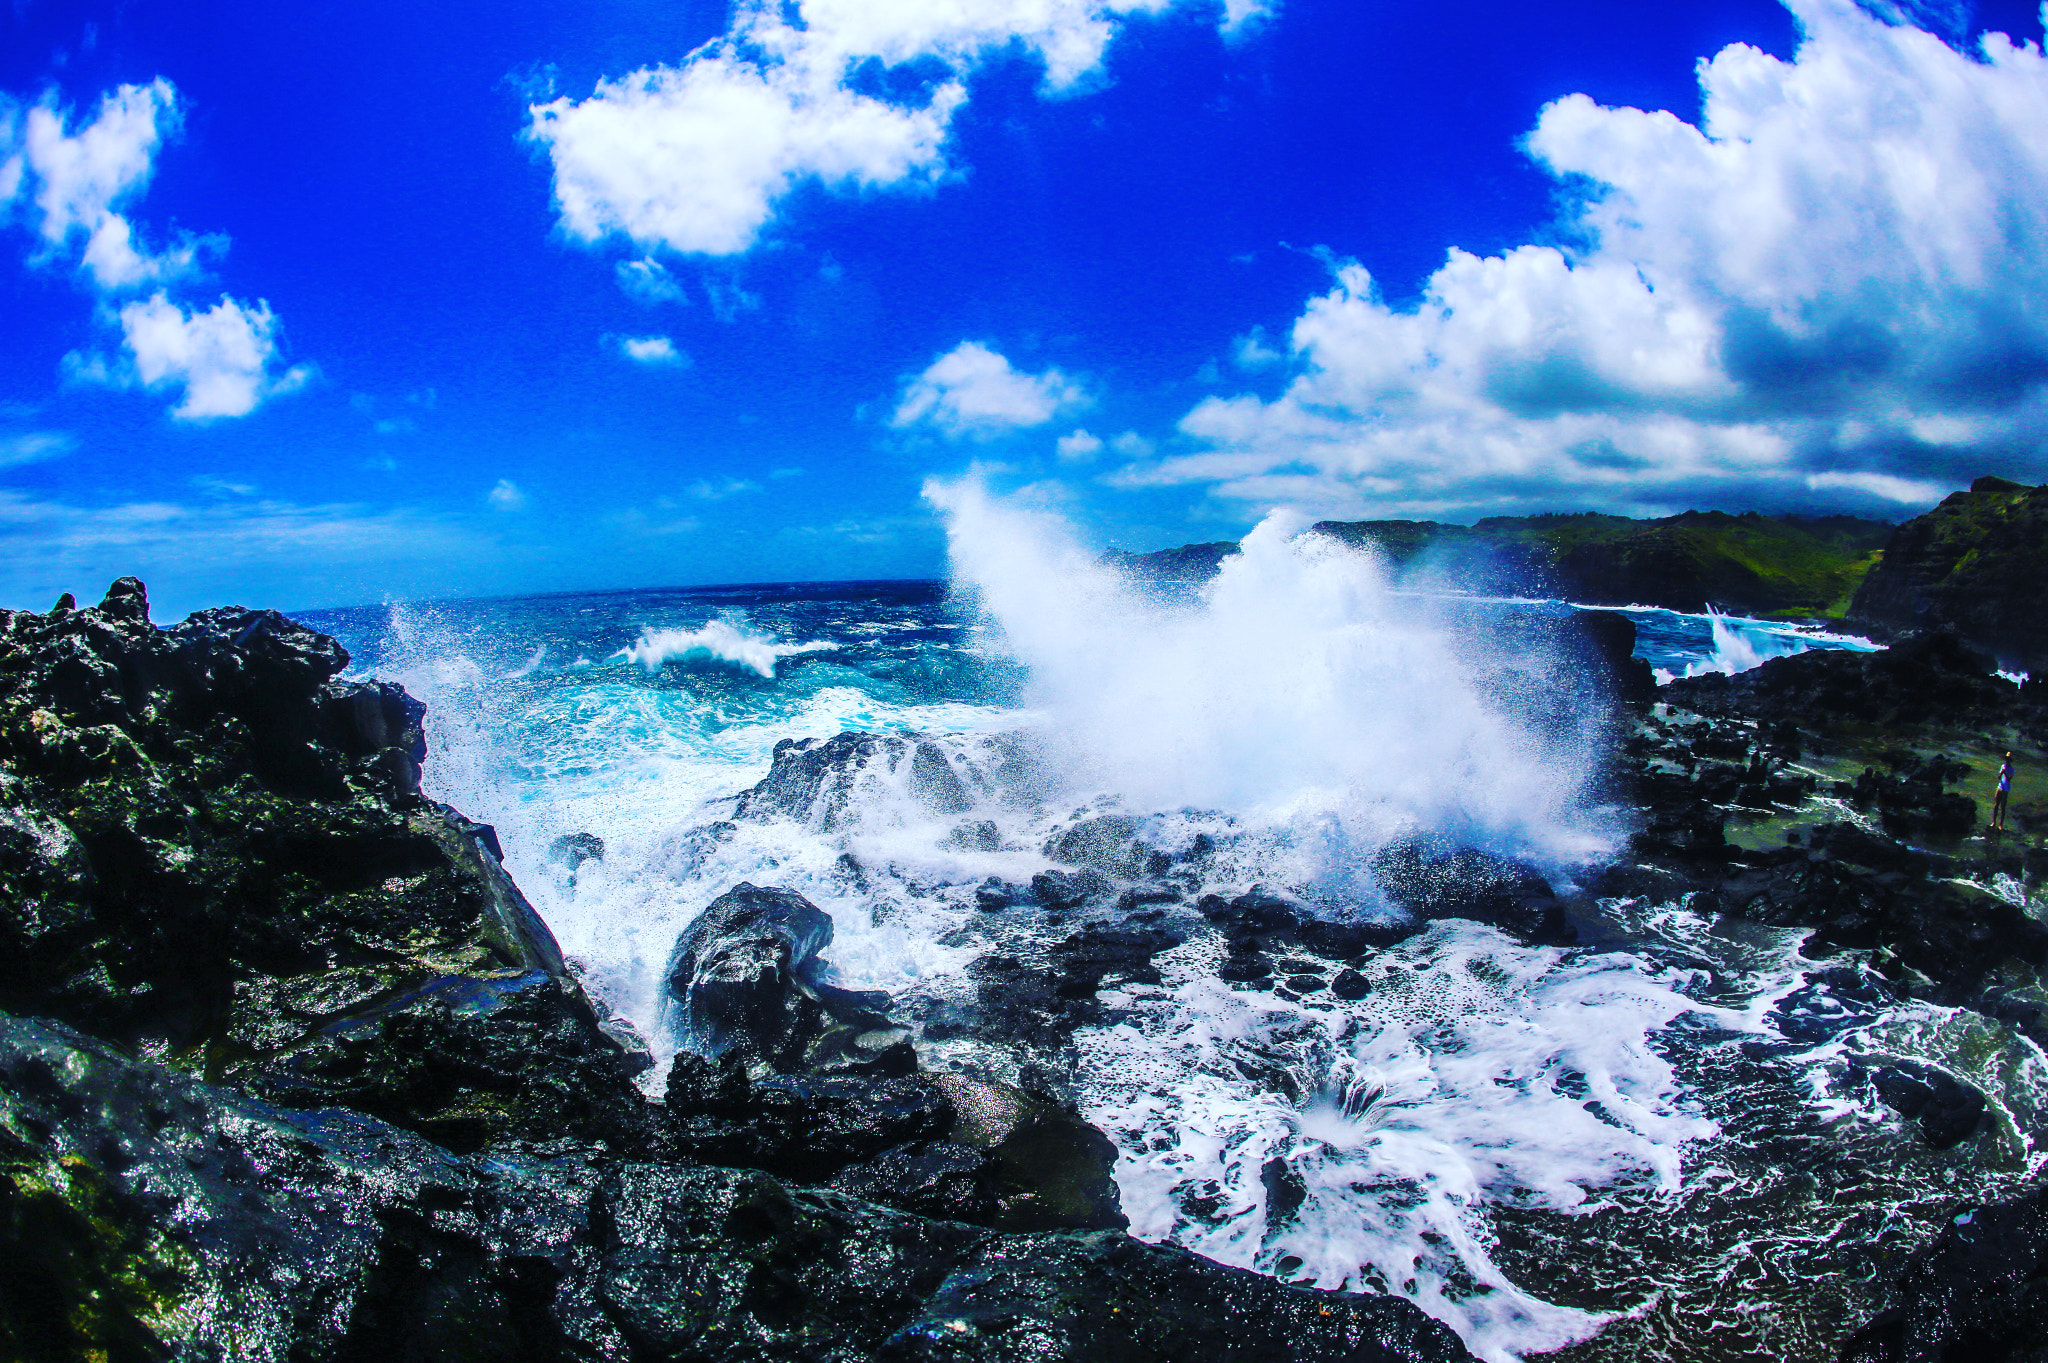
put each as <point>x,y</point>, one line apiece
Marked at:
<point>320,304</point>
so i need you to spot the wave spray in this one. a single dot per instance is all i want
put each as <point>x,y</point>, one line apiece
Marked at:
<point>1299,688</point>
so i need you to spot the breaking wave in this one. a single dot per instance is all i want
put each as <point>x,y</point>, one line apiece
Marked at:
<point>1297,689</point>
<point>1469,1114</point>
<point>719,642</point>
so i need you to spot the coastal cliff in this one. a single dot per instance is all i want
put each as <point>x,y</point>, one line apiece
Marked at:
<point>1748,564</point>
<point>1974,566</point>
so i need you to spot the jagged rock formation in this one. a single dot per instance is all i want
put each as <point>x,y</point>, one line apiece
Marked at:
<point>147,1215</point>
<point>217,854</point>
<point>290,1070</point>
<point>1974,566</point>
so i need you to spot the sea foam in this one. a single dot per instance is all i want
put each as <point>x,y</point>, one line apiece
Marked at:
<point>718,641</point>
<point>1297,689</point>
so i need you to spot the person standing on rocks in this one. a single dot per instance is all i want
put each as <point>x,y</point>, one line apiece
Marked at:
<point>2002,795</point>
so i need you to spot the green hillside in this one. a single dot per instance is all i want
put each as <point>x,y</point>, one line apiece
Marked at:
<point>1789,566</point>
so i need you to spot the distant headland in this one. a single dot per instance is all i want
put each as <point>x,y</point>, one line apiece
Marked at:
<point>1973,565</point>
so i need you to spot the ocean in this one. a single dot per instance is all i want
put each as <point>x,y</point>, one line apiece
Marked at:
<point>1650,1144</point>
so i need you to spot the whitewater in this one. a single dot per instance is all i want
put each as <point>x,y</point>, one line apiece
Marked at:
<point>1578,1151</point>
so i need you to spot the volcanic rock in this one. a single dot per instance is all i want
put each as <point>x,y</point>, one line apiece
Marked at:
<point>734,973</point>
<point>215,851</point>
<point>815,782</point>
<point>1430,881</point>
<point>1979,1291</point>
<point>1919,678</point>
<point>148,1215</point>
<point>417,1138</point>
<point>1973,567</point>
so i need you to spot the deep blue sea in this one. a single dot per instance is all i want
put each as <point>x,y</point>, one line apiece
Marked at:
<point>1544,1147</point>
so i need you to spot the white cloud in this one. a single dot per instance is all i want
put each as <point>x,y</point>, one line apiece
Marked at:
<point>649,281</point>
<point>694,157</point>
<point>506,496</point>
<point>717,489</point>
<point>653,351</point>
<point>973,391</point>
<point>83,175</point>
<point>728,301</point>
<point>80,176</point>
<point>1833,284</point>
<point>221,487</point>
<point>32,447</point>
<point>1254,350</point>
<point>223,358</point>
<point>113,261</point>
<point>1078,445</point>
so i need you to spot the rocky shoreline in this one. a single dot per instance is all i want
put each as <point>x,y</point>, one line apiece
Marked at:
<point>289,1068</point>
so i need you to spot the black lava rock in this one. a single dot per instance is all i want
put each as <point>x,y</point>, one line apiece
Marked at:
<point>1978,1292</point>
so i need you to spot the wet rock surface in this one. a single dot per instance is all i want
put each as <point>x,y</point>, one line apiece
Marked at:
<point>290,1069</point>
<point>1833,792</point>
<point>149,1215</point>
<point>1978,1292</point>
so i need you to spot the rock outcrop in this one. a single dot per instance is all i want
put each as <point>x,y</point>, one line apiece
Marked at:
<point>147,1215</point>
<point>1902,897</point>
<point>289,1069</point>
<point>1974,567</point>
<point>1978,1292</point>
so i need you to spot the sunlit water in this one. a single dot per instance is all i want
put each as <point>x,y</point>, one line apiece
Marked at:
<point>1647,1146</point>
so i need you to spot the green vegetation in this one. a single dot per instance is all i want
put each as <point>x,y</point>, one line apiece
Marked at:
<point>1974,566</point>
<point>1758,565</point>
<point>1792,567</point>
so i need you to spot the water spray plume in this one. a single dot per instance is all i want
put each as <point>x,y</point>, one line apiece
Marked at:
<point>1297,688</point>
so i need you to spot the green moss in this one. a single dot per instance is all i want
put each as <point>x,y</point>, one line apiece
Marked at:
<point>80,1277</point>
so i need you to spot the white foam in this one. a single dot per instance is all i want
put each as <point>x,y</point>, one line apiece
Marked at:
<point>718,641</point>
<point>1297,690</point>
<point>1295,713</point>
<point>1476,1073</point>
<point>1741,643</point>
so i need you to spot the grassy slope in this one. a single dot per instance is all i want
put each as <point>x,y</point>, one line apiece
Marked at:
<point>1975,564</point>
<point>1757,564</point>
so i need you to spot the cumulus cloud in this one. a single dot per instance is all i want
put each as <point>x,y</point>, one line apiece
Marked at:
<point>972,390</point>
<point>656,352</point>
<point>1078,446</point>
<point>506,495</point>
<point>1832,287</point>
<point>694,157</point>
<point>223,358</point>
<point>79,177</point>
<point>649,281</point>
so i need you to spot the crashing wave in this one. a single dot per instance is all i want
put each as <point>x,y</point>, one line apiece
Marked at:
<point>719,642</point>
